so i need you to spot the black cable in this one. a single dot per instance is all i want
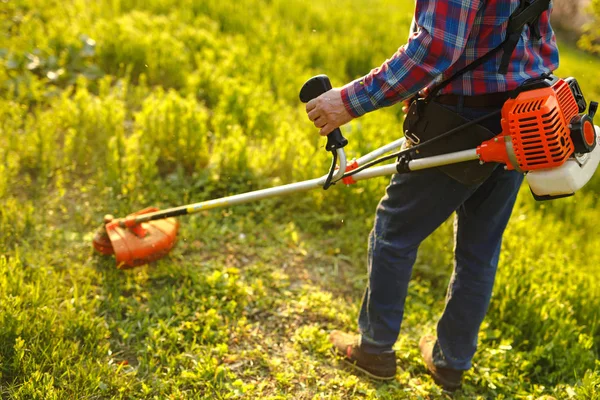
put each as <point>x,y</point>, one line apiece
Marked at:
<point>328,182</point>
<point>420,145</point>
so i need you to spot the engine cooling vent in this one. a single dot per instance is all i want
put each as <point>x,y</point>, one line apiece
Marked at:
<point>538,122</point>
<point>566,100</point>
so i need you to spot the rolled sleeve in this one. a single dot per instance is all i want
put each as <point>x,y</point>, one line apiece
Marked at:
<point>356,98</point>
<point>444,27</point>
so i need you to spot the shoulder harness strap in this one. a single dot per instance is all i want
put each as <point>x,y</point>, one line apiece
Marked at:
<point>528,13</point>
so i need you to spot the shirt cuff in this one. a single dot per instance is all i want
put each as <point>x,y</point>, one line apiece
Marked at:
<point>356,99</point>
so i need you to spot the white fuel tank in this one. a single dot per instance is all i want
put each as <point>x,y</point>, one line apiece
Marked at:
<point>568,178</point>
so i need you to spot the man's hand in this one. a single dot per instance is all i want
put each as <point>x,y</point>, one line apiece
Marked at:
<point>328,111</point>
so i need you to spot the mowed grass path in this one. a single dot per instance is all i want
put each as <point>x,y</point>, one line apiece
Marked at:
<point>108,107</point>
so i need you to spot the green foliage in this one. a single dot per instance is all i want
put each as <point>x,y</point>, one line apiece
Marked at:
<point>111,106</point>
<point>590,40</point>
<point>176,129</point>
<point>146,44</point>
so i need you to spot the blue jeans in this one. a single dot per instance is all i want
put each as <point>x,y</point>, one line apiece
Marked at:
<point>415,204</point>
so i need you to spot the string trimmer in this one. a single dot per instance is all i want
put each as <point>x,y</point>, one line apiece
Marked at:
<point>546,134</point>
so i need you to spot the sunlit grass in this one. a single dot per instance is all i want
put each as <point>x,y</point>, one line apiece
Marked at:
<point>107,107</point>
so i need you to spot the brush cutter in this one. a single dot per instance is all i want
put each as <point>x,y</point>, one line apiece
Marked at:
<point>546,134</point>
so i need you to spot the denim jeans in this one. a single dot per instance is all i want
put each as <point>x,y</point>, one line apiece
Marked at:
<point>415,204</point>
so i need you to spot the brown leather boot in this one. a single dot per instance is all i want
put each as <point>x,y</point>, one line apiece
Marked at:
<point>376,366</point>
<point>447,378</point>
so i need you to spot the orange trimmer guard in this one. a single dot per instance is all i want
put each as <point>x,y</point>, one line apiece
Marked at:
<point>142,243</point>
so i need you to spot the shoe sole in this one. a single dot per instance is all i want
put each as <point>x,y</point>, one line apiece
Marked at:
<point>444,383</point>
<point>353,364</point>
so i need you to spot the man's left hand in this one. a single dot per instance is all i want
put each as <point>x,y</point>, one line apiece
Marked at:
<point>328,111</point>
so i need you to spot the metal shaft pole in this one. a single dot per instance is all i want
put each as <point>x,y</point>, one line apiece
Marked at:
<point>245,197</point>
<point>443,159</point>
<point>414,165</point>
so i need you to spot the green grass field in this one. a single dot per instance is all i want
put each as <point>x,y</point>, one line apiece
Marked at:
<point>111,106</point>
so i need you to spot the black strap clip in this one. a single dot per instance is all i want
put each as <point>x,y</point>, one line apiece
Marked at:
<point>402,163</point>
<point>413,117</point>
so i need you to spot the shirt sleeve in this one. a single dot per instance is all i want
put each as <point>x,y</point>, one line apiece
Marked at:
<point>443,29</point>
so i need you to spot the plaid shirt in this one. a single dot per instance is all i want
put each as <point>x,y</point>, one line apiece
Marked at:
<point>451,34</point>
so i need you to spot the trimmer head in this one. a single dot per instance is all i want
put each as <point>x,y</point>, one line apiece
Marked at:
<point>137,244</point>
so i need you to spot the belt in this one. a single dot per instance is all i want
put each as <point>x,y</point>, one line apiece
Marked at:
<point>479,101</point>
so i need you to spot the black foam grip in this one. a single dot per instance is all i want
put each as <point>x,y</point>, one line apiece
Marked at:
<point>313,88</point>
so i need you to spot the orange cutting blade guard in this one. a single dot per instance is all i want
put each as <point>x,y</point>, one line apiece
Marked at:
<point>136,243</point>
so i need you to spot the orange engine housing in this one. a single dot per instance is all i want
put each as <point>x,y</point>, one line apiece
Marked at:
<point>535,130</point>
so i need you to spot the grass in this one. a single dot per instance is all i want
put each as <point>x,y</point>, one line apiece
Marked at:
<point>107,107</point>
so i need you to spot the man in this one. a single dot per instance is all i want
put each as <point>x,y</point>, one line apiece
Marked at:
<point>450,35</point>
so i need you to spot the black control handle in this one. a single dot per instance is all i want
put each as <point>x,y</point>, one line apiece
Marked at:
<point>313,88</point>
